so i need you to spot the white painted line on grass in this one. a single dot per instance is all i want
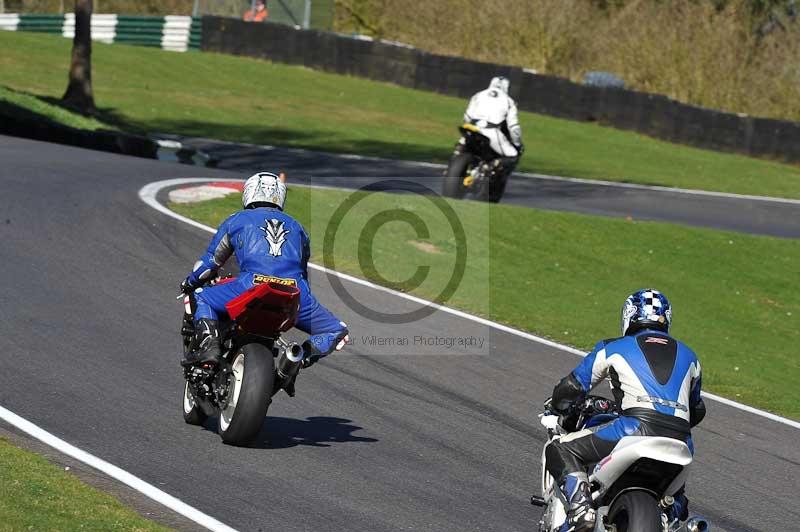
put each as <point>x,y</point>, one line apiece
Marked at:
<point>115,472</point>
<point>148,195</point>
<point>598,182</point>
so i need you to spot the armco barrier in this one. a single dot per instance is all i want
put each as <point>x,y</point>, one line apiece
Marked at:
<point>41,23</point>
<point>650,114</point>
<point>104,27</point>
<point>174,33</point>
<point>9,21</point>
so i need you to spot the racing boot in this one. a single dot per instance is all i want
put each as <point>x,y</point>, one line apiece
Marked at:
<point>580,514</point>
<point>207,341</point>
<point>678,512</point>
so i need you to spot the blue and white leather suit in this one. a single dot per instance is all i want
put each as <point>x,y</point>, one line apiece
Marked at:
<point>266,242</point>
<point>656,382</point>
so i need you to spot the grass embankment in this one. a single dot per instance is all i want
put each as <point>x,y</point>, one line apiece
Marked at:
<point>242,99</point>
<point>37,495</point>
<point>566,275</point>
<point>50,110</point>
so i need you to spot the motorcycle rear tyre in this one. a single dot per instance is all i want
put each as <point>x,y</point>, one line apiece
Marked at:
<point>254,372</point>
<point>635,511</point>
<point>453,185</point>
<point>496,189</point>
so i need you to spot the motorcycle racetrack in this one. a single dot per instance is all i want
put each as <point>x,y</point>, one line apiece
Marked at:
<point>89,336</point>
<point>757,215</point>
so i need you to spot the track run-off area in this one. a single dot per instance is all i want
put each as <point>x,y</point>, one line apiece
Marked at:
<point>90,343</point>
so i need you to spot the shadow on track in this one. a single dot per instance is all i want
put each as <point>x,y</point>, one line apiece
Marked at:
<point>284,432</point>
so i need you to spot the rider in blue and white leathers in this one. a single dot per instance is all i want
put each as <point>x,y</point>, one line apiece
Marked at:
<point>267,243</point>
<point>656,382</point>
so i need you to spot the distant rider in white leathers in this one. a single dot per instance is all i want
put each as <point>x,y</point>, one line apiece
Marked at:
<point>495,113</point>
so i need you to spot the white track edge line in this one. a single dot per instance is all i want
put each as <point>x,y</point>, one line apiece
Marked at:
<point>597,182</point>
<point>115,472</point>
<point>148,195</point>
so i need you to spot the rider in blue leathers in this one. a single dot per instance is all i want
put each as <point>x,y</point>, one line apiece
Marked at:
<point>655,380</point>
<point>268,243</point>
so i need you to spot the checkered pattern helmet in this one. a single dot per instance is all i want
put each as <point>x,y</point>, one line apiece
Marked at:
<point>264,187</point>
<point>646,308</point>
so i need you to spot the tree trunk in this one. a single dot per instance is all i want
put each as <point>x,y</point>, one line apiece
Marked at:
<point>79,91</point>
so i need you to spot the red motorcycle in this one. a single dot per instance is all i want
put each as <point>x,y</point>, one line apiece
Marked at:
<point>256,362</point>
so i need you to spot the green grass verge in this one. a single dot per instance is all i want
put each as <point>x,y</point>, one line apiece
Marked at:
<point>565,276</point>
<point>242,99</point>
<point>37,495</point>
<point>50,110</point>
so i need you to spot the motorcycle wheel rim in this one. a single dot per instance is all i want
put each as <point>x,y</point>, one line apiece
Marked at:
<point>237,375</point>
<point>188,399</point>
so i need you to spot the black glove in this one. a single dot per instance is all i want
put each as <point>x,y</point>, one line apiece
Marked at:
<point>187,286</point>
<point>520,149</point>
<point>697,413</point>
<point>569,422</point>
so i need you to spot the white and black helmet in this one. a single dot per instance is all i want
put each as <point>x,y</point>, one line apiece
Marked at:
<point>646,309</point>
<point>264,187</point>
<point>500,83</point>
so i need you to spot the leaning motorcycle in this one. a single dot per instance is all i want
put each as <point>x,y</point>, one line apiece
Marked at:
<point>470,171</point>
<point>632,488</point>
<point>256,362</point>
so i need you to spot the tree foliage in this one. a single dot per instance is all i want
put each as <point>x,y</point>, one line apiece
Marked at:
<point>737,55</point>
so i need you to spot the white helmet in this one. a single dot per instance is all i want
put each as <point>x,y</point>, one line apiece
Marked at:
<point>500,83</point>
<point>264,187</point>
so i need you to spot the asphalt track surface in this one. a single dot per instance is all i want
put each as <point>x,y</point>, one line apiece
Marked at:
<point>373,441</point>
<point>773,218</point>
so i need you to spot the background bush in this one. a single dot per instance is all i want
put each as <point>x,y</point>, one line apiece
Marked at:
<point>736,55</point>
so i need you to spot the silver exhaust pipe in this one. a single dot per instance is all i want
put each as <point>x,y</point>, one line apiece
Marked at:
<point>696,524</point>
<point>288,363</point>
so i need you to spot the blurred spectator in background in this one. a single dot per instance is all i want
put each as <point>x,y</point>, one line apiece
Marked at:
<point>257,14</point>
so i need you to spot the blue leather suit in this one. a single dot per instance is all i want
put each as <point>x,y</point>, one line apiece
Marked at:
<point>268,242</point>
